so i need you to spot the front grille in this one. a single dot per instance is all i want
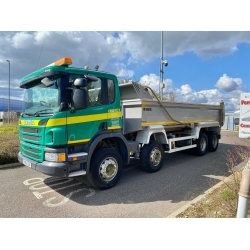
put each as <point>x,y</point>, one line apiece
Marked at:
<point>31,130</point>
<point>32,151</point>
<point>33,138</point>
<point>32,155</point>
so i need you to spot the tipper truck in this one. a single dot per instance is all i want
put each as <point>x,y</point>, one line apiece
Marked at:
<point>78,121</point>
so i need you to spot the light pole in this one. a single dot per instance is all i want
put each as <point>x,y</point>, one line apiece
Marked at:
<point>162,62</point>
<point>162,85</point>
<point>9,94</point>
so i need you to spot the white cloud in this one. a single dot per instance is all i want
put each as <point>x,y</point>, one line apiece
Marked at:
<point>186,94</point>
<point>28,51</point>
<point>186,89</point>
<point>22,40</point>
<point>228,84</point>
<point>151,80</point>
<point>14,83</point>
<point>120,70</point>
<point>145,46</point>
<point>14,93</point>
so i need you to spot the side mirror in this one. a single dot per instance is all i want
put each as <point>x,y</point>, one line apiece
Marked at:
<point>80,98</point>
<point>47,82</point>
<point>80,82</point>
<point>91,78</point>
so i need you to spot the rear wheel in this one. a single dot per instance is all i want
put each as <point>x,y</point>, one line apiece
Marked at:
<point>202,145</point>
<point>213,141</point>
<point>105,168</point>
<point>152,157</point>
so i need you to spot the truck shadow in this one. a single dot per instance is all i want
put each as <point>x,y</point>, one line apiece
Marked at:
<point>182,178</point>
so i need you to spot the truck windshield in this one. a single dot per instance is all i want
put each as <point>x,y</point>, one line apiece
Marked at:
<point>41,100</point>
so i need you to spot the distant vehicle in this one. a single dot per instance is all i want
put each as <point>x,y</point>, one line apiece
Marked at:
<point>78,121</point>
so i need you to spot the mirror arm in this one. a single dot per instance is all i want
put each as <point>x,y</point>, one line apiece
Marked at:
<point>72,110</point>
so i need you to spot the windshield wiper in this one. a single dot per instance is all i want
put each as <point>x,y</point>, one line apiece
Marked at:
<point>29,114</point>
<point>37,112</point>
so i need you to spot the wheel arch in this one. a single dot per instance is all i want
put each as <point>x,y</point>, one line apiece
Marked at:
<point>121,142</point>
<point>157,131</point>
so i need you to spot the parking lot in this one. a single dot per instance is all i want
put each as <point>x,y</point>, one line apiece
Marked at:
<point>27,193</point>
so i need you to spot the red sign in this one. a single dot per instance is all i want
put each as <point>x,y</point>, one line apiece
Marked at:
<point>244,128</point>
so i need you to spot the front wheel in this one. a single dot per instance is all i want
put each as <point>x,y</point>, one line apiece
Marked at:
<point>152,157</point>
<point>105,168</point>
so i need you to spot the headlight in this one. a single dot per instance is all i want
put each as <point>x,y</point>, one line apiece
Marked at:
<point>55,156</point>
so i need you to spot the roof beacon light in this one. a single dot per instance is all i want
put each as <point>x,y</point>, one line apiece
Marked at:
<point>65,61</point>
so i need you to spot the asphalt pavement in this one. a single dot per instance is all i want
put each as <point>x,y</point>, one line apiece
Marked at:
<point>26,193</point>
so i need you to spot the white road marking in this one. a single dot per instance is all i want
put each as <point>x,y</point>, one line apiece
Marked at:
<point>66,199</point>
<point>33,181</point>
<point>40,195</point>
<point>92,192</point>
<point>36,184</point>
<point>34,187</point>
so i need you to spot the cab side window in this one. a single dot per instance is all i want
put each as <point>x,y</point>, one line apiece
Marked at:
<point>111,91</point>
<point>101,92</point>
<point>94,93</point>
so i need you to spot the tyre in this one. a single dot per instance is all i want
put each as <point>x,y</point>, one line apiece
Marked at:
<point>152,157</point>
<point>105,168</point>
<point>202,145</point>
<point>213,141</point>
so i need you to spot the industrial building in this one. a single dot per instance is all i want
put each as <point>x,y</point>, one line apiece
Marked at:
<point>231,121</point>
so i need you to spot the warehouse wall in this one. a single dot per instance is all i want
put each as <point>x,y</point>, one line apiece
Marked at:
<point>231,121</point>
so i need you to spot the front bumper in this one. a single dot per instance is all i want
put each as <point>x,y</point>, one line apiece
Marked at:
<point>58,169</point>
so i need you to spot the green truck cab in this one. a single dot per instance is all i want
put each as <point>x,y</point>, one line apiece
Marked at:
<point>71,124</point>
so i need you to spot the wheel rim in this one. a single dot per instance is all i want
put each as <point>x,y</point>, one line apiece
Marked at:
<point>214,141</point>
<point>155,157</point>
<point>108,169</point>
<point>203,144</point>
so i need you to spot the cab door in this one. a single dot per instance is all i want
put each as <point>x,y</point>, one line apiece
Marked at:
<point>83,124</point>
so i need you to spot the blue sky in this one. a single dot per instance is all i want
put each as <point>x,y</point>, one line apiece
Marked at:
<point>204,66</point>
<point>200,72</point>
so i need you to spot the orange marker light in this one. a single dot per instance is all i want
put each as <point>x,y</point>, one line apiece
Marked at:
<point>63,61</point>
<point>61,157</point>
